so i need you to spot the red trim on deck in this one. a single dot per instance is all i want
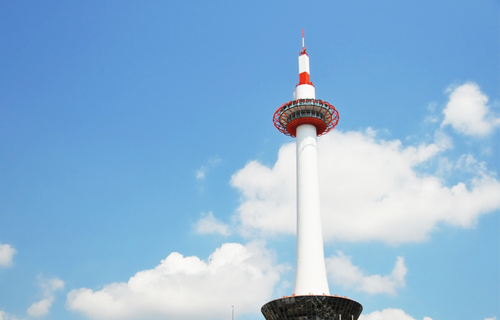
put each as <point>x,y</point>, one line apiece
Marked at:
<point>320,125</point>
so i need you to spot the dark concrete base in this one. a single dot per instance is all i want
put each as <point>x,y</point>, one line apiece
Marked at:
<point>312,308</point>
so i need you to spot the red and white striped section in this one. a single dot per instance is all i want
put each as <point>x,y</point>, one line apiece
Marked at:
<point>305,88</point>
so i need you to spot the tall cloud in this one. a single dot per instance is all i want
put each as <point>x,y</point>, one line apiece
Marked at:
<point>268,194</point>
<point>342,272</point>
<point>7,253</point>
<point>371,189</point>
<point>242,276</point>
<point>467,111</point>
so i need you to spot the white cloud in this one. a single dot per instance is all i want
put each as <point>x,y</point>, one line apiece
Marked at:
<point>5,316</point>
<point>200,173</point>
<point>342,272</point>
<point>48,288</point>
<point>492,318</point>
<point>388,314</point>
<point>467,111</point>
<point>7,253</point>
<point>40,308</point>
<point>371,189</point>
<point>432,118</point>
<point>242,276</point>
<point>208,224</point>
<point>212,162</point>
<point>268,194</point>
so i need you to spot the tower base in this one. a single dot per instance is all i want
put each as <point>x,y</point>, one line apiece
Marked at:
<point>312,308</point>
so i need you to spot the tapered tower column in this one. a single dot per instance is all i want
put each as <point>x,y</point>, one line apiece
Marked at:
<point>306,118</point>
<point>310,275</point>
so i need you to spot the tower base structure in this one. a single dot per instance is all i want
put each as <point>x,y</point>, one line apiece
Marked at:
<point>312,307</point>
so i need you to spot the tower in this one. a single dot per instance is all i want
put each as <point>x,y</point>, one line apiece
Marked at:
<point>306,118</point>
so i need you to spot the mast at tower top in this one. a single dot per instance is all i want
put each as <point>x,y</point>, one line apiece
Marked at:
<point>303,45</point>
<point>304,72</point>
<point>305,108</point>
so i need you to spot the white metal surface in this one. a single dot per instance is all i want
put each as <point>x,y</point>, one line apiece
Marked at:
<point>310,276</point>
<point>304,91</point>
<point>304,63</point>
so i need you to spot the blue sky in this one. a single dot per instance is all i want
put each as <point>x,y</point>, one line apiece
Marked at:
<point>141,176</point>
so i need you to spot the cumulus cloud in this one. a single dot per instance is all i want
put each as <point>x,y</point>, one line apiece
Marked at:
<point>342,272</point>
<point>208,224</point>
<point>371,189</point>
<point>388,314</point>
<point>467,111</point>
<point>7,253</point>
<point>492,318</point>
<point>48,288</point>
<point>242,276</point>
<point>212,162</point>
<point>268,194</point>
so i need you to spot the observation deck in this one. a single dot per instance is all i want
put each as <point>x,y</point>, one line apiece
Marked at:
<point>294,113</point>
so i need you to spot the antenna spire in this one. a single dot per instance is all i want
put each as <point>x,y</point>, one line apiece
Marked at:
<point>303,51</point>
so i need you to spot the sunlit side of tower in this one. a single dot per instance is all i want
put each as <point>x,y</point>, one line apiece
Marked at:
<point>306,118</point>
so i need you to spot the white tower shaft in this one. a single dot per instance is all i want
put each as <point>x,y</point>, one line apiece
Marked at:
<point>310,275</point>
